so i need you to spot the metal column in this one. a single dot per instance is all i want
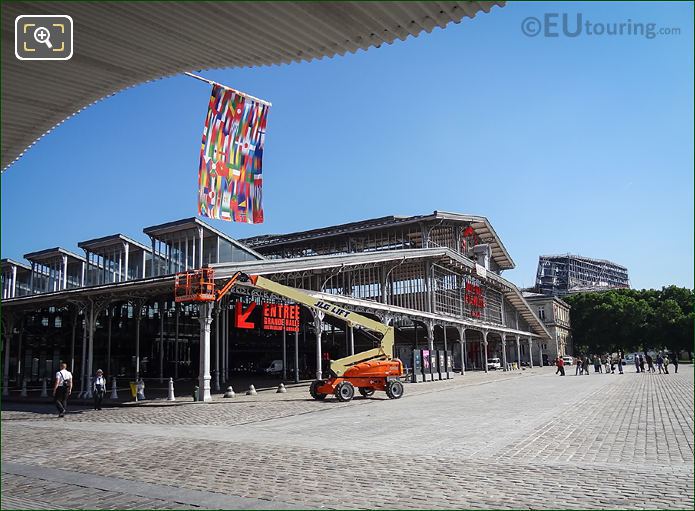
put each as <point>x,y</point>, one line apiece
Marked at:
<point>161,341</point>
<point>318,327</point>
<point>284,355</point>
<point>504,351</point>
<point>177,309</point>
<point>205,318</point>
<point>217,347</point>
<point>518,353</point>
<point>296,356</point>
<point>109,312</point>
<point>485,350</point>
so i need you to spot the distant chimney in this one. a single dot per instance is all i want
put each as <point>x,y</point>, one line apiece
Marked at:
<point>482,255</point>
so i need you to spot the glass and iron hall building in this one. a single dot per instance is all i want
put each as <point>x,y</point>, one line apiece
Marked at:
<point>437,278</point>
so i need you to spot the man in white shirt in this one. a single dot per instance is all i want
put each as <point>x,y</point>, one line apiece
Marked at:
<point>62,388</point>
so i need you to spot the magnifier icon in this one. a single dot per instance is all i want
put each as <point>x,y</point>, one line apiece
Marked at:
<point>43,36</point>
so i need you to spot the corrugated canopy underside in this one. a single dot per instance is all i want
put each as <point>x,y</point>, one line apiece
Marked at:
<point>121,44</point>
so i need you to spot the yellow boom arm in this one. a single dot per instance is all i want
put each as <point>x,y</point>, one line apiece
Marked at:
<point>383,351</point>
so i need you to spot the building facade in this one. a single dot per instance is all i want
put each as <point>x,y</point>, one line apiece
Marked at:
<point>565,274</point>
<point>436,278</point>
<point>555,315</point>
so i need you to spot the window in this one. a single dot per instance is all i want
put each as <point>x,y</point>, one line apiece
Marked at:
<point>541,312</point>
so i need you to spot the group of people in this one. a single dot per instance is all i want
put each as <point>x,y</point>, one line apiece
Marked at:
<point>605,363</point>
<point>662,363</point>
<point>62,388</point>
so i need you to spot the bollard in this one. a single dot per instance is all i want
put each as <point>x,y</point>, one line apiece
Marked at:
<point>114,389</point>
<point>281,389</point>
<point>171,397</point>
<point>230,392</point>
<point>44,391</point>
<point>23,393</point>
<point>195,393</point>
<point>251,391</point>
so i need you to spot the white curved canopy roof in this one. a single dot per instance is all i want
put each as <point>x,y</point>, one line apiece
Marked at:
<point>121,44</point>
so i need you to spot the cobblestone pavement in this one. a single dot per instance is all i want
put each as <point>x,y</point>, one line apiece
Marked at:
<point>529,440</point>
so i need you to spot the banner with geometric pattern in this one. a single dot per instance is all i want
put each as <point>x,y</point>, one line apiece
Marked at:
<point>230,184</point>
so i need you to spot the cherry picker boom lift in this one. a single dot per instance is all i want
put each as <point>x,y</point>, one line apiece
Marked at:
<point>368,371</point>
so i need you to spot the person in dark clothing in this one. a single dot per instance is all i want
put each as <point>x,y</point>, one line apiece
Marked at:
<point>650,363</point>
<point>99,389</point>
<point>675,363</point>
<point>641,363</point>
<point>586,365</point>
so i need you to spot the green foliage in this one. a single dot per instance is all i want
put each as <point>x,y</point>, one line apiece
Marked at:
<point>633,320</point>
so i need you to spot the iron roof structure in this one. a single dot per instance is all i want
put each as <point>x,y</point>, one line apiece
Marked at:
<point>122,44</point>
<point>480,224</point>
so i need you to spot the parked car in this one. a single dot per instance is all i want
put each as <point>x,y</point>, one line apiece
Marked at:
<point>568,360</point>
<point>494,363</point>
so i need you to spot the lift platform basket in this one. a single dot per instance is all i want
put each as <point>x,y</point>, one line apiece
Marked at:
<point>195,286</point>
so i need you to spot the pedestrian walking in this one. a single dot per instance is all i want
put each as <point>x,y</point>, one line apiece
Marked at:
<point>650,363</point>
<point>578,364</point>
<point>597,364</point>
<point>660,362</point>
<point>637,363</point>
<point>62,388</point>
<point>666,363</point>
<point>620,364</point>
<point>606,364</point>
<point>586,365</point>
<point>641,363</point>
<point>675,363</point>
<point>99,389</point>
<point>560,366</point>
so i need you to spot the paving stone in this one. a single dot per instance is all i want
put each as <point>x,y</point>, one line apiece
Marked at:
<point>523,440</point>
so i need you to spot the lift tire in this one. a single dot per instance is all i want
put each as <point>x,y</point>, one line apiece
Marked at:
<point>344,391</point>
<point>394,389</point>
<point>313,390</point>
<point>366,391</point>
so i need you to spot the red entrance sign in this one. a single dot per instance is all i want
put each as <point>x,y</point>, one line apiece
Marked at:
<point>241,316</point>
<point>275,316</point>
<point>475,298</point>
<point>281,317</point>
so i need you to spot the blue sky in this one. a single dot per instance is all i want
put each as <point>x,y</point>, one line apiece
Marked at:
<point>581,145</point>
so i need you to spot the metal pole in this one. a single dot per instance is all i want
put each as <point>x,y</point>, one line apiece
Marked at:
<point>176,342</point>
<point>217,347</point>
<point>318,327</point>
<point>72,341</point>
<point>83,374</point>
<point>108,343</point>
<point>284,354</point>
<point>161,341</point>
<point>504,351</point>
<point>296,356</point>
<point>352,339</point>
<point>137,345</point>
<point>518,353</point>
<point>485,347</point>
<point>9,326</point>
<point>205,318</point>
<point>530,351</point>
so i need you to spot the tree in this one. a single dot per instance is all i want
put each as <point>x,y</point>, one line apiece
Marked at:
<point>631,320</point>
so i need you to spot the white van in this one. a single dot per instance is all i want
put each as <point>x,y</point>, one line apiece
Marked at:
<point>275,367</point>
<point>494,363</point>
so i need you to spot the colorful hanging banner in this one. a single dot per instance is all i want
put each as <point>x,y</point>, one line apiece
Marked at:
<point>230,185</point>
